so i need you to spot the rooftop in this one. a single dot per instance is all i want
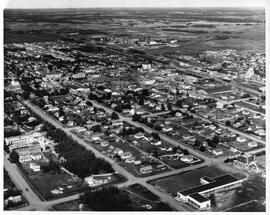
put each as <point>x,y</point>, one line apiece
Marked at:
<point>219,181</point>
<point>198,197</point>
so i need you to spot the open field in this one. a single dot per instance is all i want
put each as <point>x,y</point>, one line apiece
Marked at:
<point>241,29</point>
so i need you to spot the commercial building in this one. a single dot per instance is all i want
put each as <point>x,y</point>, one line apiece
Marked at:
<point>198,196</point>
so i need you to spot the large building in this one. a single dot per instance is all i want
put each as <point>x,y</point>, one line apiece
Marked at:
<point>198,196</point>
<point>23,140</point>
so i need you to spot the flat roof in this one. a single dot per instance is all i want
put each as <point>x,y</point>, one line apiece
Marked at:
<point>198,197</point>
<point>218,181</point>
<point>206,178</point>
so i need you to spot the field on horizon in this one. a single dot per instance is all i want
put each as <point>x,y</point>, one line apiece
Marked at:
<point>198,29</point>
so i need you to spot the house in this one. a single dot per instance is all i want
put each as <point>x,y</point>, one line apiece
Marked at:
<point>111,147</point>
<point>94,181</point>
<point>217,152</point>
<point>130,159</point>
<point>35,167</point>
<point>117,123</point>
<point>156,143</point>
<point>252,144</point>
<point>241,139</point>
<point>139,135</point>
<point>95,138</point>
<point>70,123</point>
<point>146,169</point>
<point>53,76</point>
<point>187,158</point>
<point>79,75</point>
<point>118,151</point>
<point>126,155</point>
<point>16,197</point>
<point>138,162</point>
<point>178,114</point>
<point>53,109</point>
<point>80,129</point>
<point>104,143</point>
<point>167,128</point>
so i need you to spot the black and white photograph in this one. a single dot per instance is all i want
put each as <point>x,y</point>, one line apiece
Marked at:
<point>134,105</point>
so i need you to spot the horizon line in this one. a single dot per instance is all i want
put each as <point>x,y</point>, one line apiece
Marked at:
<point>105,7</point>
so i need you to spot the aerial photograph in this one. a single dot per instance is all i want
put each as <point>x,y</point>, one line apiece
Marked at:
<point>117,105</point>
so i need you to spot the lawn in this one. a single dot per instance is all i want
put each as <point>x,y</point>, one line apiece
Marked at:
<point>253,206</point>
<point>142,191</point>
<point>45,182</point>
<point>67,206</point>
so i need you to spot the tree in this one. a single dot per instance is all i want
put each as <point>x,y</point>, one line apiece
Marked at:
<point>202,148</point>
<point>107,199</point>
<point>6,147</point>
<point>157,127</point>
<point>141,101</point>
<point>14,157</point>
<point>136,117</point>
<point>197,143</point>
<point>114,115</point>
<point>162,107</point>
<point>155,136</point>
<point>169,106</point>
<point>155,153</point>
<point>186,152</point>
<point>89,103</point>
<point>51,166</point>
<point>96,128</point>
<point>228,123</point>
<point>174,149</point>
<point>145,93</point>
<point>211,143</point>
<point>216,139</point>
<point>118,109</point>
<point>117,157</point>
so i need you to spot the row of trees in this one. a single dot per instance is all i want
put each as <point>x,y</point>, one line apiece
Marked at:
<point>79,160</point>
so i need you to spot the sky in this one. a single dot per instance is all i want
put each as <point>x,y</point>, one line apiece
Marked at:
<point>131,3</point>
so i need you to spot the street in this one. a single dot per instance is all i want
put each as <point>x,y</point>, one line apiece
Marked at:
<point>130,178</point>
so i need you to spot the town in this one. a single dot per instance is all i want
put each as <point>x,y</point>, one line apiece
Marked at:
<point>106,117</point>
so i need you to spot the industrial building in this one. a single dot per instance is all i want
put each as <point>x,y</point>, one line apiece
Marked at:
<point>198,196</point>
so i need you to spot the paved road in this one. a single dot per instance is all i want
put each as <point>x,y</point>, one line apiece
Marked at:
<point>150,130</point>
<point>19,181</point>
<point>131,179</point>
